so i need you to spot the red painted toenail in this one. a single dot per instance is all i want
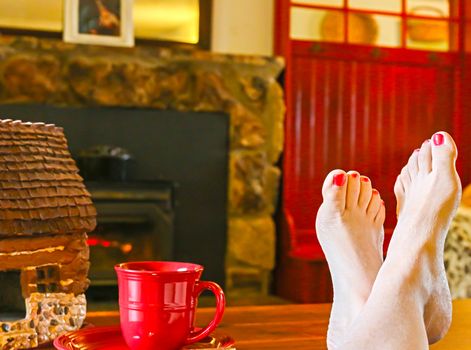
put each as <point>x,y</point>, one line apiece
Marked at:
<point>339,179</point>
<point>438,139</point>
<point>354,175</point>
<point>364,179</point>
<point>375,191</point>
<point>382,202</point>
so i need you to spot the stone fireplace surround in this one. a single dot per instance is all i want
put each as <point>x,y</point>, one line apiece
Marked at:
<point>48,71</point>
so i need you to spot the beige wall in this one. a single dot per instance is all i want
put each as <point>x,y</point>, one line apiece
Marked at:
<point>243,26</point>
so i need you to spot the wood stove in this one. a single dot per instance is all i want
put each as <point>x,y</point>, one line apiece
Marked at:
<point>135,222</point>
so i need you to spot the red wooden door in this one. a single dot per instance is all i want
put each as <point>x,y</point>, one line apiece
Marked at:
<point>358,114</point>
<point>361,107</point>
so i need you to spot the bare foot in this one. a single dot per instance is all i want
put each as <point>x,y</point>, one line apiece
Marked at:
<point>412,277</point>
<point>349,227</point>
<point>428,191</point>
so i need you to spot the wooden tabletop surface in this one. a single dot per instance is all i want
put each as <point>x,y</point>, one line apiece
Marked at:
<point>297,327</point>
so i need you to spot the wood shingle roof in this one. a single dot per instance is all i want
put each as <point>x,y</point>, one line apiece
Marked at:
<point>41,191</point>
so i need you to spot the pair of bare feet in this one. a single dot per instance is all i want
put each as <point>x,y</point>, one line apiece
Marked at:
<point>402,302</point>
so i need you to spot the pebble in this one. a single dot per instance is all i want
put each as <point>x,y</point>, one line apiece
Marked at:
<point>58,310</point>
<point>43,338</point>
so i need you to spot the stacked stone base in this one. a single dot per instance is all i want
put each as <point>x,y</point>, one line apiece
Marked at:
<point>47,317</point>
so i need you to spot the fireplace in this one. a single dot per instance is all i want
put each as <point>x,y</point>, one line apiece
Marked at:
<point>174,208</point>
<point>241,92</point>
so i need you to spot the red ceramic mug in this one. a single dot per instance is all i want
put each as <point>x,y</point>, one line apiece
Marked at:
<point>157,304</point>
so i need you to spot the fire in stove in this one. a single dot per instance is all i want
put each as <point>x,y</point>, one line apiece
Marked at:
<point>124,247</point>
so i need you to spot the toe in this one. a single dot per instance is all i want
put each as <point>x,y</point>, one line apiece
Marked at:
<point>381,214</point>
<point>335,188</point>
<point>365,192</point>
<point>412,164</point>
<point>425,158</point>
<point>444,151</point>
<point>400,193</point>
<point>399,190</point>
<point>374,205</point>
<point>405,178</point>
<point>379,221</point>
<point>353,189</point>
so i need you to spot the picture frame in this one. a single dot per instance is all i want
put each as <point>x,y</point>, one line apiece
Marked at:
<point>99,22</point>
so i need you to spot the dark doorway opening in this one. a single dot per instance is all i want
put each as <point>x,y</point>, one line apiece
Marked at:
<point>12,304</point>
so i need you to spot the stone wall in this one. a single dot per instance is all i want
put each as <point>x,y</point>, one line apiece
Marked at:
<point>49,71</point>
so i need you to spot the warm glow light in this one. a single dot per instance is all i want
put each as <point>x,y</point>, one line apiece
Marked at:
<point>125,248</point>
<point>169,20</point>
<point>31,14</point>
<point>173,20</point>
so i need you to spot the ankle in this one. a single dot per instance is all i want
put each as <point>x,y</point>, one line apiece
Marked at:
<point>410,274</point>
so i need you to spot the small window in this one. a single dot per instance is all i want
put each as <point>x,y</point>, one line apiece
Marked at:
<point>392,6</point>
<point>430,8</point>
<point>415,24</point>
<point>317,25</point>
<point>332,3</point>
<point>47,278</point>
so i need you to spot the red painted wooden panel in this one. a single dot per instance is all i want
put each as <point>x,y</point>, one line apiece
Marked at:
<point>367,116</point>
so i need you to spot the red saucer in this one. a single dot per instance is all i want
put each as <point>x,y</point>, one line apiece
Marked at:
<point>110,338</point>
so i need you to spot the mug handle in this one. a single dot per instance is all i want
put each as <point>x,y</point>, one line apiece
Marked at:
<point>220,305</point>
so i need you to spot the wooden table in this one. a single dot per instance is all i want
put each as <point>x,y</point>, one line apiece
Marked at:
<point>298,327</point>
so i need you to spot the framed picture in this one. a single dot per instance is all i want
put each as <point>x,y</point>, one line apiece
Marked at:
<point>99,22</point>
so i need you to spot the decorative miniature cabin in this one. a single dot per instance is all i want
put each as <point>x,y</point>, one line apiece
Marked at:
<point>45,214</point>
